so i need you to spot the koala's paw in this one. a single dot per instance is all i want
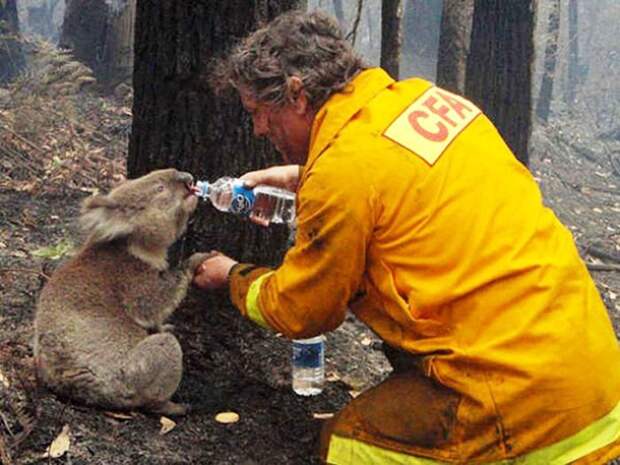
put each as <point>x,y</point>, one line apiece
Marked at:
<point>196,260</point>
<point>165,328</point>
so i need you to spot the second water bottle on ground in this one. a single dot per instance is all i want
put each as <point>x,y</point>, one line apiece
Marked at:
<point>308,365</point>
<point>270,204</point>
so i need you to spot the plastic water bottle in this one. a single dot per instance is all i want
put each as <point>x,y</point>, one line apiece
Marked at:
<point>308,365</point>
<point>267,203</point>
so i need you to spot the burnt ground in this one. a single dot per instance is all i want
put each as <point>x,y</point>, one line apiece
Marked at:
<point>230,364</point>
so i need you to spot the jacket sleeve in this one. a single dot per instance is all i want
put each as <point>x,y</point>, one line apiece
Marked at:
<point>308,294</point>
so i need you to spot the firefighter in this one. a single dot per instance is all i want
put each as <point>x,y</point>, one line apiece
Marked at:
<point>414,214</point>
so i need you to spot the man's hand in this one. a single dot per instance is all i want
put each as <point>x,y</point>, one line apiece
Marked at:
<point>284,176</point>
<point>213,272</point>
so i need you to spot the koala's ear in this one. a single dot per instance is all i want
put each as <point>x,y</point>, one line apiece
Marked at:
<point>97,201</point>
<point>103,220</point>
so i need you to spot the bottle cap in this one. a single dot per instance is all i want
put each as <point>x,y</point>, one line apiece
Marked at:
<point>201,189</point>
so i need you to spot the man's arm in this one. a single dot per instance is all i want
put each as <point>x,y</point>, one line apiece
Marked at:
<point>284,176</point>
<point>308,294</point>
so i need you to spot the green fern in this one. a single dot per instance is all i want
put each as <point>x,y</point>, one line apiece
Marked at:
<point>55,252</point>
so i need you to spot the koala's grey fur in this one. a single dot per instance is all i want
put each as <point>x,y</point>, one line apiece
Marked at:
<point>96,316</point>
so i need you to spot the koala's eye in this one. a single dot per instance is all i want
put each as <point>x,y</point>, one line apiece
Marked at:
<point>161,188</point>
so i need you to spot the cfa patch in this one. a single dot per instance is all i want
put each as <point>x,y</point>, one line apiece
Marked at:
<point>431,122</point>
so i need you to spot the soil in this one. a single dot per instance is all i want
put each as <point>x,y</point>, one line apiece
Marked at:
<point>248,371</point>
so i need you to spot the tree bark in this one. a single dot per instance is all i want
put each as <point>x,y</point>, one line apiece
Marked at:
<point>499,68</point>
<point>545,96</point>
<point>456,21</point>
<point>11,54</point>
<point>391,15</point>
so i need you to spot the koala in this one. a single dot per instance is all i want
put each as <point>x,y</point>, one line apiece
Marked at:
<point>100,332</point>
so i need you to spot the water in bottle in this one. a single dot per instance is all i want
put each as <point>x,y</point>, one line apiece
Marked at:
<point>266,203</point>
<point>274,205</point>
<point>308,365</point>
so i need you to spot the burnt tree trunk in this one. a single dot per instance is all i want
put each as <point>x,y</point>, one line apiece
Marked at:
<point>499,68</point>
<point>11,54</point>
<point>100,34</point>
<point>545,96</point>
<point>573,52</point>
<point>391,15</point>
<point>456,19</point>
<point>119,50</point>
<point>179,122</point>
<point>84,32</point>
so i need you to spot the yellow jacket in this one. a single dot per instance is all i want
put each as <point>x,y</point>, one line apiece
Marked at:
<point>413,213</point>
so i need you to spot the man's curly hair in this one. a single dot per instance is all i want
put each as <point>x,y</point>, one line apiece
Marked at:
<point>307,45</point>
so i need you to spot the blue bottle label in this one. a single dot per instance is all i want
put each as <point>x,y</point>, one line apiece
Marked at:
<point>308,355</point>
<point>242,200</point>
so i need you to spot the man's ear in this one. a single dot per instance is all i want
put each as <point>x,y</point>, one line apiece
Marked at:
<point>296,94</point>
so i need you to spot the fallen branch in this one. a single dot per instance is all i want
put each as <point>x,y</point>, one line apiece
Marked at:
<point>603,189</point>
<point>602,267</point>
<point>5,458</point>
<point>23,139</point>
<point>598,252</point>
<point>23,161</point>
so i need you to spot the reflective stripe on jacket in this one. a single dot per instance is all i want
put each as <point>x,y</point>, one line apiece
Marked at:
<point>447,253</point>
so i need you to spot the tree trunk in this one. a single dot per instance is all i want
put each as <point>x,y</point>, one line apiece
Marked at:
<point>545,95</point>
<point>499,68</point>
<point>456,20</point>
<point>421,37</point>
<point>11,54</point>
<point>100,34</point>
<point>120,39</point>
<point>391,15</point>
<point>573,52</point>
<point>84,32</point>
<point>179,122</point>
<point>339,10</point>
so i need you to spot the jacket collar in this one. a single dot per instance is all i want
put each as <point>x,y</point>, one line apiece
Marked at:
<point>341,107</point>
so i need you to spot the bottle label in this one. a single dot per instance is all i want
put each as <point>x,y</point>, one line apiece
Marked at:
<point>242,200</point>
<point>308,355</point>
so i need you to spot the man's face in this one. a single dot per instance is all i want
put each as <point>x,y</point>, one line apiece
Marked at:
<point>286,126</point>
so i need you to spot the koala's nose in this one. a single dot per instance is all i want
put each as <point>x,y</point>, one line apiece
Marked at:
<point>185,177</point>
